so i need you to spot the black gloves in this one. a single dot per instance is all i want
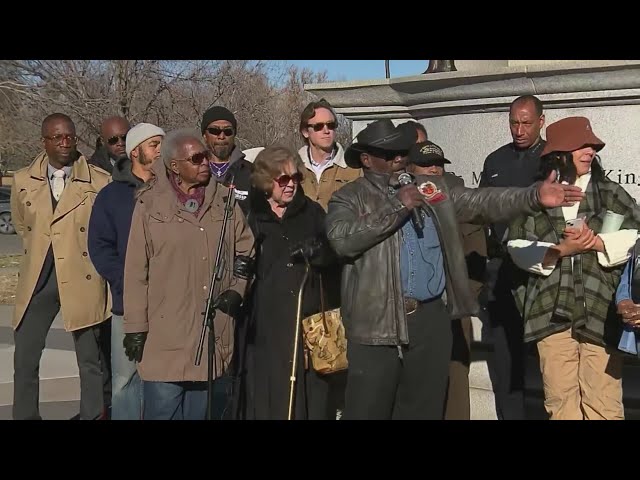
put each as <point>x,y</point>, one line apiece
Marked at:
<point>134,345</point>
<point>308,249</point>
<point>243,267</point>
<point>229,302</point>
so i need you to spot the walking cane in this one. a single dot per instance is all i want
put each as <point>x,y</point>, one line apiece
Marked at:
<point>296,342</point>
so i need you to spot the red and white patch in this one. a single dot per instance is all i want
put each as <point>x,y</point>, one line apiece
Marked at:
<point>431,192</point>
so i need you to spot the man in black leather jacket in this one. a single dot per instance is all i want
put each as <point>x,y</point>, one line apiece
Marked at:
<point>396,273</point>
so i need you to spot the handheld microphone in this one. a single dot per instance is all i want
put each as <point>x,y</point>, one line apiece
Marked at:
<point>416,218</point>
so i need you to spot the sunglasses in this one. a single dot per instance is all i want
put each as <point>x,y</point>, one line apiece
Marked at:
<point>320,126</point>
<point>393,155</point>
<point>386,155</point>
<point>58,139</point>
<point>228,131</point>
<point>283,180</point>
<point>113,140</point>
<point>197,158</point>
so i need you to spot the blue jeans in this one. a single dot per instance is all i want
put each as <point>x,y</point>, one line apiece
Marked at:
<point>175,401</point>
<point>126,386</point>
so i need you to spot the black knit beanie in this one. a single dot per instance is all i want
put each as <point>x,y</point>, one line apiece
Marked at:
<point>218,113</point>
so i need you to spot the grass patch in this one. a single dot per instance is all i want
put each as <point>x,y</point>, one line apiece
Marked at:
<point>7,261</point>
<point>9,265</point>
<point>8,284</point>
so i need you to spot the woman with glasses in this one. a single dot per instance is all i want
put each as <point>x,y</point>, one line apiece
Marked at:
<point>171,252</point>
<point>284,221</point>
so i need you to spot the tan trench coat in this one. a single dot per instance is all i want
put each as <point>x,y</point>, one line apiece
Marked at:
<point>84,296</point>
<point>170,257</point>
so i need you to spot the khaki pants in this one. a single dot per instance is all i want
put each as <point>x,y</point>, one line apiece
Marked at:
<point>582,381</point>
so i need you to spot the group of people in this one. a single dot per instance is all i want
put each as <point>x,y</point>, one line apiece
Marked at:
<point>554,274</point>
<point>129,243</point>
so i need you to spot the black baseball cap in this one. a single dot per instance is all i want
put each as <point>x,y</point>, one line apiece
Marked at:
<point>426,154</point>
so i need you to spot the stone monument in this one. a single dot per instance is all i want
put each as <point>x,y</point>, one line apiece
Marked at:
<point>464,108</point>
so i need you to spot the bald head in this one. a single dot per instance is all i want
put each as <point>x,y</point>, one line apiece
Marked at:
<point>53,119</point>
<point>528,100</point>
<point>114,133</point>
<point>110,123</point>
<point>526,120</point>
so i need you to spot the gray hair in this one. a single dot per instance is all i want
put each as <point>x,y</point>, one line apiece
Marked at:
<point>174,140</point>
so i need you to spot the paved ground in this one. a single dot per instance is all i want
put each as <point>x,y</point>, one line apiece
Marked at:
<point>49,410</point>
<point>59,385</point>
<point>10,244</point>
<point>59,371</point>
<point>58,367</point>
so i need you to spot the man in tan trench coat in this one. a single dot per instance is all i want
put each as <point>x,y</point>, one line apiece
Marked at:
<point>51,203</point>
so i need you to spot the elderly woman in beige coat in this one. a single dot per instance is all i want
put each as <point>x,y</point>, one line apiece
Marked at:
<point>170,257</point>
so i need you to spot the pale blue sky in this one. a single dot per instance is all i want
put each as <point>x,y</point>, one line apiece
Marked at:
<point>363,69</point>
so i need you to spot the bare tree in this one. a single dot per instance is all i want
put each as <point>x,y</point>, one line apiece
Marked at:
<point>266,97</point>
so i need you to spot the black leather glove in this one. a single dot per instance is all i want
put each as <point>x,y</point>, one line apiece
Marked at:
<point>229,302</point>
<point>308,249</point>
<point>134,345</point>
<point>244,267</point>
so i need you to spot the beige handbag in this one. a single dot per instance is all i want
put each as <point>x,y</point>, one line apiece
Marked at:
<point>325,340</point>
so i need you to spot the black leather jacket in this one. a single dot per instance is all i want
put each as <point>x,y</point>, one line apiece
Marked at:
<point>100,158</point>
<point>363,224</point>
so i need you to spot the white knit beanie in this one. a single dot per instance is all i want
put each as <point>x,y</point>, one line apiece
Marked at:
<point>140,133</point>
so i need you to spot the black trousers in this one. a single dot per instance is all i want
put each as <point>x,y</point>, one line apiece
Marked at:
<point>105,359</point>
<point>458,404</point>
<point>507,366</point>
<point>385,382</point>
<point>29,339</point>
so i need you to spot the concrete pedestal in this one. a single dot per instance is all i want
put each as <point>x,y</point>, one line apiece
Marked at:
<point>466,113</point>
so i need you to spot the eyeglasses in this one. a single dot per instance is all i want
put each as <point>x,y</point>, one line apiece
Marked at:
<point>58,139</point>
<point>320,126</point>
<point>228,131</point>
<point>283,180</point>
<point>113,140</point>
<point>197,158</point>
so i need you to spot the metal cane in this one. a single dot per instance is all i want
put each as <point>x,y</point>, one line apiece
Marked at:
<point>296,342</point>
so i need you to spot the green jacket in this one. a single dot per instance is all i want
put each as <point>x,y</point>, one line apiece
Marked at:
<point>579,297</point>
